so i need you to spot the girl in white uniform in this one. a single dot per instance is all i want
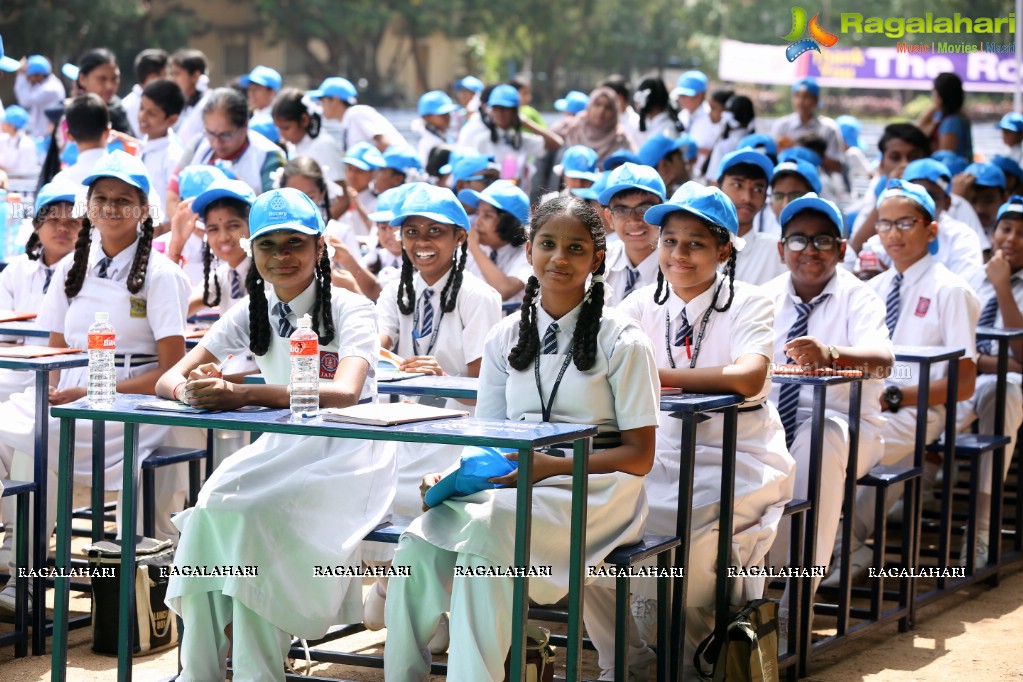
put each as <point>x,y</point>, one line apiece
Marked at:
<point>502,211</point>
<point>301,130</point>
<point>607,378</point>
<point>712,334</point>
<point>285,503</point>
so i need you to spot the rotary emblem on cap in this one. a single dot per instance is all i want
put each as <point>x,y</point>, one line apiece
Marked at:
<point>626,176</point>
<point>420,196</point>
<point>278,203</point>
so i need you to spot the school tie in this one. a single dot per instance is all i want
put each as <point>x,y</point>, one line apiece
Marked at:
<point>685,331</point>
<point>987,319</point>
<point>788,394</point>
<point>426,322</point>
<point>236,285</point>
<point>631,277</point>
<point>550,340</point>
<point>493,257</point>
<point>102,266</point>
<point>284,328</point>
<point>49,277</point>
<point>892,304</point>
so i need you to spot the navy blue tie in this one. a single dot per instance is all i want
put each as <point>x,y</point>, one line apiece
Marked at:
<point>284,327</point>
<point>426,321</point>
<point>49,277</point>
<point>102,266</point>
<point>236,285</point>
<point>685,331</point>
<point>550,340</point>
<point>493,256</point>
<point>987,319</point>
<point>788,394</point>
<point>892,303</point>
<point>631,277</point>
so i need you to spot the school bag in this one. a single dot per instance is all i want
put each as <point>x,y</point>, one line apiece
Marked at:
<point>539,656</point>
<point>750,650</point>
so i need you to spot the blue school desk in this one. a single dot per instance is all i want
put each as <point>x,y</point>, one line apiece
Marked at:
<point>23,328</point>
<point>440,387</point>
<point>521,436</point>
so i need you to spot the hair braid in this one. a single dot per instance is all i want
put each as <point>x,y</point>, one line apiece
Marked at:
<point>662,286</point>
<point>139,266</point>
<point>321,305</point>
<point>34,248</point>
<point>406,290</point>
<point>584,340</point>
<point>76,273</point>
<point>259,316</point>
<point>730,276</point>
<point>206,258</point>
<point>523,352</point>
<point>449,297</point>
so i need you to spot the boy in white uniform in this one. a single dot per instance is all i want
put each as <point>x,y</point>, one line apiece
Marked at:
<point>262,85</point>
<point>350,123</point>
<point>37,88</point>
<point>744,177</point>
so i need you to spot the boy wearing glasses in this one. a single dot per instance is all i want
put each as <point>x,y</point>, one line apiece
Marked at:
<point>791,179</point>
<point>744,177</point>
<point>825,317</point>
<point>631,261</point>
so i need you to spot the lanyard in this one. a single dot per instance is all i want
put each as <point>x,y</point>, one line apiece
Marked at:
<point>545,408</point>
<point>433,334</point>
<point>699,337</point>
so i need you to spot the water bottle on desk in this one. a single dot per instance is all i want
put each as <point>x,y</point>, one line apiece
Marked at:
<point>102,375</point>
<point>13,246</point>
<point>305,370</point>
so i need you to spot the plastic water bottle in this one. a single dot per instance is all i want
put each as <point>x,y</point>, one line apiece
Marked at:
<point>305,370</point>
<point>510,168</point>
<point>102,376</point>
<point>12,233</point>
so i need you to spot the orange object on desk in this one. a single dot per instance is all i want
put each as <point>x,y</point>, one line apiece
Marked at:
<point>14,316</point>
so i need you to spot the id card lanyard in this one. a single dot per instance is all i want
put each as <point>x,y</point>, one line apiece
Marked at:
<point>546,407</point>
<point>695,351</point>
<point>433,335</point>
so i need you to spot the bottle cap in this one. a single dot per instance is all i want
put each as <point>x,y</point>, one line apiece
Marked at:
<point>102,317</point>
<point>304,322</point>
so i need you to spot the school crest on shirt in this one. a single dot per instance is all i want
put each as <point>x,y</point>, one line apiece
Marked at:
<point>137,306</point>
<point>328,364</point>
<point>922,305</point>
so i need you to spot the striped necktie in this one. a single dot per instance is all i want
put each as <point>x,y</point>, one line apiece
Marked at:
<point>892,305</point>
<point>426,312</point>
<point>49,278</point>
<point>631,277</point>
<point>236,285</point>
<point>493,256</point>
<point>550,340</point>
<point>788,394</point>
<point>102,266</point>
<point>685,331</point>
<point>987,319</point>
<point>284,327</point>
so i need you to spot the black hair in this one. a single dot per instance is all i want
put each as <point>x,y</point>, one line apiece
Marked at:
<point>722,236</point>
<point>241,208</point>
<point>87,118</point>
<point>448,297</point>
<point>632,192</point>
<point>192,61</point>
<point>950,89</point>
<point>520,81</point>
<point>94,58</point>
<point>288,105</point>
<point>139,266</point>
<point>34,247</point>
<point>746,171</point>
<point>514,130</point>
<point>307,167</point>
<point>618,83</point>
<point>742,110</point>
<point>231,103</point>
<point>584,340</point>
<point>813,142</point>
<point>439,157</point>
<point>167,95</point>
<point>908,133</point>
<point>657,99</point>
<point>509,229</point>
<point>148,63</point>
<point>260,329</point>
<point>790,174</point>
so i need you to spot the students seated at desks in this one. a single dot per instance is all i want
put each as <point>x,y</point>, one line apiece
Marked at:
<point>185,242</point>
<point>712,334</point>
<point>497,239</point>
<point>306,175</point>
<point>791,179</point>
<point>983,185</point>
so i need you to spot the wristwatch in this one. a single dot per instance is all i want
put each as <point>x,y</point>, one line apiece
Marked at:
<point>893,398</point>
<point>833,352</point>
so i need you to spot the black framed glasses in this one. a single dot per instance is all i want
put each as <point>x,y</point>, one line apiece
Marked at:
<point>799,242</point>
<point>787,197</point>
<point>902,224</point>
<point>623,212</point>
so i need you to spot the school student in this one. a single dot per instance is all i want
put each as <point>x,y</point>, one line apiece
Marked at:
<point>150,65</point>
<point>349,122</point>
<point>434,109</point>
<point>401,164</point>
<point>1011,126</point>
<point>806,93</point>
<point>88,126</point>
<point>361,165</point>
<point>598,127</point>
<point>789,181</point>
<point>608,378</point>
<point>160,105</point>
<point>578,168</point>
<point>37,88</point>
<point>18,155</point>
<point>261,87</point>
<point>657,115</point>
<point>284,503</point>
<point>1013,173</point>
<point>188,70</point>
<point>497,240</point>
<point>983,185</point>
<point>666,155</point>
<point>737,121</point>
<point>305,174</point>
<point>694,113</point>
<point>744,177</point>
<point>301,129</point>
<point>383,264</point>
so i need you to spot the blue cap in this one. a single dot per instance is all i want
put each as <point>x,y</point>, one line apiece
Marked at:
<point>1008,166</point>
<point>262,75</point>
<point>929,169</point>
<point>955,163</point>
<point>502,195</point>
<point>223,189</point>
<point>692,83</point>
<point>706,203</point>
<point>618,157</point>
<point>16,116</point>
<point>124,167</point>
<point>471,83</point>
<point>986,174</point>
<point>573,102</point>
<point>69,155</point>
<point>435,203</point>
<point>53,192</point>
<point>38,65</point>
<point>402,158</point>
<point>193,180</point>
<point>592,193</point>
<point>365,156</point>
<point>284,209</point>
<point>468,167</point>
<point>70,71</point>
<point>504,96</point>
<point>804,153</point>
<point>1012,121</point>
<point>1013,205</point>
<point>265,127</point>
<point>800,168</point>
<point>658,146</point>
<point>336,87</point>
<point>7,63</point>
<point>436,103</point>
<point>633,176</point>
<point>389,200</point>
<point>808,84</point>
<point>755,158</point>
<point>850,127</point>
<point>579,161</point>
<point>475,469</point>
<point>760,142</point>
<point>811,202</point>
<point>911,191</point>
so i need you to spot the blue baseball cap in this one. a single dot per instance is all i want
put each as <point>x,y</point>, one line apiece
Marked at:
<point>402,158</point>
<point>54,192</point>
<point>468,167</point>
<point>811,202</point>
<point>850,127</point>
<point>760,142</point>
<point>750,156</point>
<point>70,71</point>
<point>1012,121</point>
<point>910,190</point>
<point>955,163</point>
<point>38,65</point>
<point>931,170</point>
<point>706,203</point>
<point>691,83</point>
<point>284,209</point>
<point>7,63</point>
<point>1013,205</point>
<point>502,195</point>
<point>16,116</point>
<point>223,189</point>
<point>592,193</point>
<point>265,127</point>
<point>389,200</point>
<point>122,166</point>
<point>435,203</point>
<point>194,180</point>
<point>688,147</point>
<point>801,168</point>
<point>336,87</point>
<point>365,156</point>
<point>504,96</point>
<point>808,155</point>
<point>658,146</point>
<point>471,83</point>
<point>633,176</point>
<point>262,75</point>
<point>475,469</point>
<point>808,84</point>
<point>573,102</point>
<point>986,174</point>
<point>1008,166</point>
<point>579,161</point>
<point>436,103</point>
<point>618,157</point>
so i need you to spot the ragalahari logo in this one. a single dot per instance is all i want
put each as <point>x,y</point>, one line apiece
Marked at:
<point>818,36</point>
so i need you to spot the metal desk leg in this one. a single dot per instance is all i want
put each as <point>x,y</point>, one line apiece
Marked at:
<point>41,540</point>
<point>580,470</point>
<point>813,491</point>
<point>523,533</point>
<point>61,599</point>
<point>722,601</point>
<point>99,462</point>
<point>126,611</point>
<point>848,506</point>
<point>998,463</point>
<point>683,528</point>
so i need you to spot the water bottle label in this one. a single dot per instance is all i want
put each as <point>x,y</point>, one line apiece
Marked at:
<point>304,348</point>
<point>869,261</point>
<point>328,364</point>
<point>101,342</point>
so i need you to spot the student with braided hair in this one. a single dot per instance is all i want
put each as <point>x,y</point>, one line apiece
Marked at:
<point>565,358</point>
<point>300,124</point>
<point>285,503</point>
<point>712,334</point>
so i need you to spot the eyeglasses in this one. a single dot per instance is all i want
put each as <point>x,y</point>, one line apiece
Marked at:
<point>799,242</point>
<point>221,137</point>
<point>902,224</point>
<point>623,212</point>
<point>779,197</point>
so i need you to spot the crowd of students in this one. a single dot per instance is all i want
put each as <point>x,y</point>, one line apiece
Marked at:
<point>650,239</point>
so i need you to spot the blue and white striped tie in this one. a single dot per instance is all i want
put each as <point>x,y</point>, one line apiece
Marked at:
<point>550,340</point>
<point>102,266</point>
<point>892,303</point>
<point>788,394</point>
<point>426,321</point>
<point>236,285</point>
<point>685,331</point>
<point>49,278</point>
<point>284,327</point>
<point>632,276</point>
<point>987,319</point>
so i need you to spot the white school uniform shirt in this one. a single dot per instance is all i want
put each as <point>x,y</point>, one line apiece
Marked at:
<point>363,123</point>
<point>343,231</point>
<point>36,98</point>
<point>324,150</point>
<point>82,168</point>
<point>703,131</point>
<point>428,140</point>
<point>937,308</point>
<point>513,263</point>
<point>758,262</point>
<point>161,157</point>
<point>658,124</point>
<point>255,166</point>
<point>985,291</point>
<point>476,135</point>
<point>959,248</point>
<point>616,275</point>
<point>18,155</point>
<point>792,127</point>
<point>386,264</point>
<point>766,222</point>
<point>190,126</point>
<point>960,209</point>
<point>222,274</point>
<point>354,221</point>
<point>21,289</point>
<point>131,103</point>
